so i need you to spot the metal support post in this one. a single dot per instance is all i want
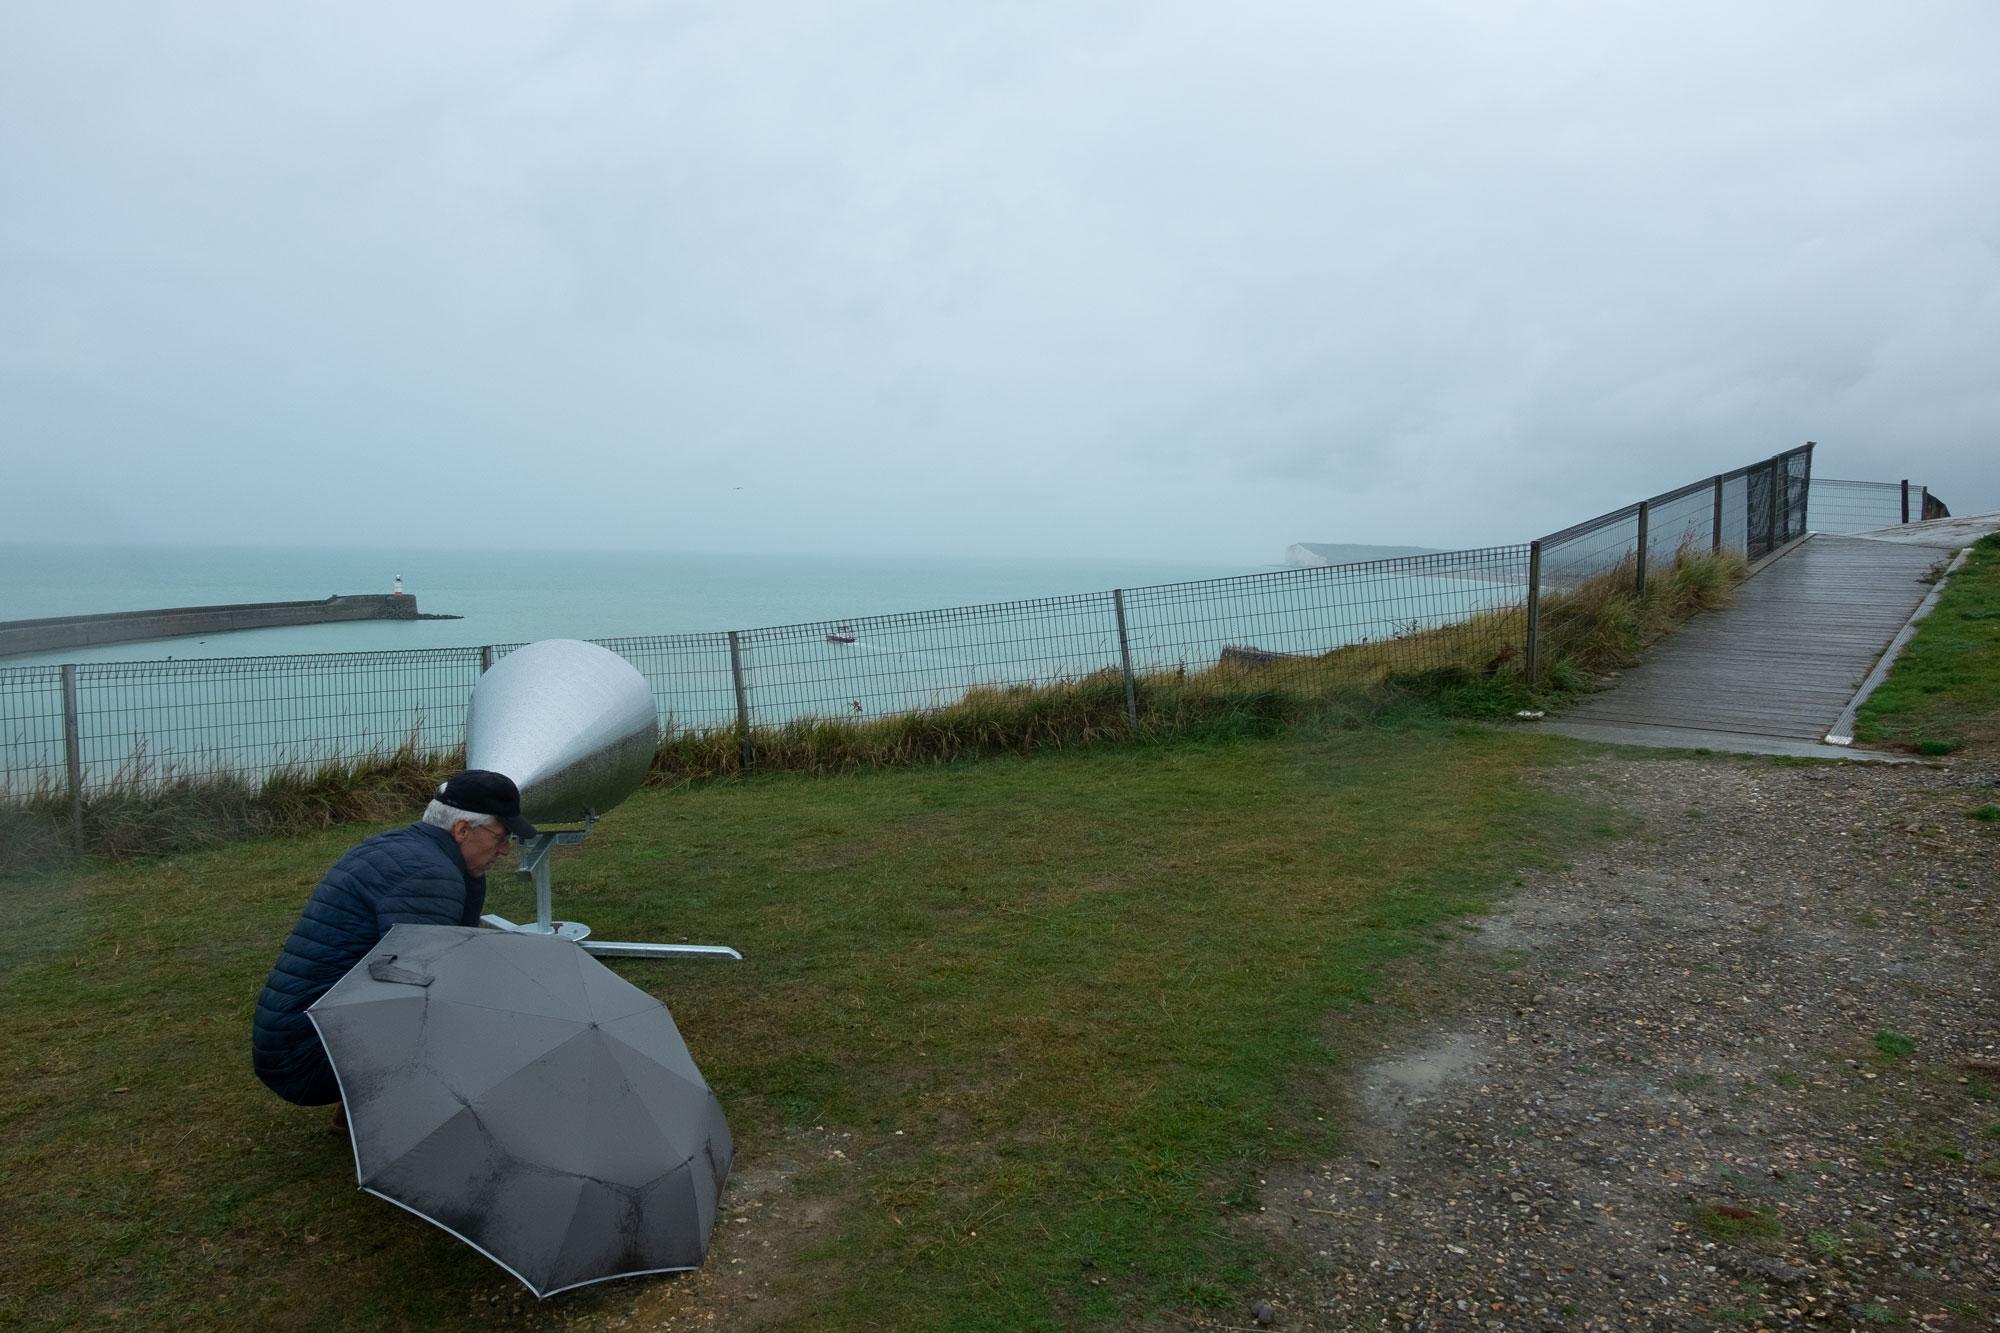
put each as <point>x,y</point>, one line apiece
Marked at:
<point>742,701</point>
<point>1771,497</point>
<point>1534,610</point>
<point>1125,659</point>
<point>1783,507</point>
<point>486,659</point>
<point>1906,499</point>
<point>1645,515</point>
<point>533,866</point>
<point>1923,503</point>
<point>1715,534</point>
<point>1805,491</point>
<point>73,752</point>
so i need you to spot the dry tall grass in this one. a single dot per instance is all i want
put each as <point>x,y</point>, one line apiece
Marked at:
<point>147,813</point>
<point>1602,624</point>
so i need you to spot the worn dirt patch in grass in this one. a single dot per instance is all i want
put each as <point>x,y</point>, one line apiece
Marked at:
<point>776,1211</point>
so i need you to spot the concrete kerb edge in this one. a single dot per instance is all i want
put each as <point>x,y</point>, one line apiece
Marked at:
<point>1693,741</point>
<point>1842,731</point>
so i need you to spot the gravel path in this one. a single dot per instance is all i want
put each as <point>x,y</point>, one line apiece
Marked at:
<point>1739,1069</point>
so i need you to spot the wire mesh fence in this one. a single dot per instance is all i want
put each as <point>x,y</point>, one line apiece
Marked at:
<point>690,675</point>
<point>32,710</point>
<point>1860,506</point>
<point>134,723</point>
<point>877,665</point>
<point>1581,553</point>
<point>138,723</point>
<point>1750,511</point>
<point>1411,614</point>
<point>146,722</point>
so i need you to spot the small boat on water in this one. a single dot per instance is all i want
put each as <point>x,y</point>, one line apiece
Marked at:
<point>841,634</point>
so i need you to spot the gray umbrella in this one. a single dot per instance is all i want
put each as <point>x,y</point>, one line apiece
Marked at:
<point>518,1093</point>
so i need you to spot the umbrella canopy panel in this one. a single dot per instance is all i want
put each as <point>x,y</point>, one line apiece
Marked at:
<point>521,1095</point>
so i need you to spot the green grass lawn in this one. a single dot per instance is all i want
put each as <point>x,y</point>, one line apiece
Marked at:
<point>1064,1006</point>
<point>1944,692</point>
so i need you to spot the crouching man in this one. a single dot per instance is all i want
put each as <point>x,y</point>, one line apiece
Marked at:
<point>431,873</point>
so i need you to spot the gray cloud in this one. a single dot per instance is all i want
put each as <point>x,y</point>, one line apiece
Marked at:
<point>1165,278</point>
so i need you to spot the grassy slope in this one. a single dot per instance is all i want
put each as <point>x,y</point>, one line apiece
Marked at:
<point>1087,988</point>
<point>1945,689</point>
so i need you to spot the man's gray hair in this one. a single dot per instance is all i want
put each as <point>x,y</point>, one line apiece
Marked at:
<point>444,816</point>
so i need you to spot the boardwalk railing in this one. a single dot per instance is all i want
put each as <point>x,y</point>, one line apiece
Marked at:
<point>1751,511</point>
<point>1858,506</point>
<point>85,728</point>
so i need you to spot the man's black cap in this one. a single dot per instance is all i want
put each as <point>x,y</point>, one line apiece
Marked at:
<point>484,792</point>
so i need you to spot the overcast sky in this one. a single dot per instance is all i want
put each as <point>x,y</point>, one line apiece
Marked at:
<point>1160,278</point>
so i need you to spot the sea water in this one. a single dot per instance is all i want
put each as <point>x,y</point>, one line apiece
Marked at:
<point>520,596</point>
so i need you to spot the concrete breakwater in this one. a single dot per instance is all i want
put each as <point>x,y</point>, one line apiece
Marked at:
<point>55,633</point>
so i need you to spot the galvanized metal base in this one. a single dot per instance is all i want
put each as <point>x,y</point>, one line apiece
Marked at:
<point>533,865</point>
<point>616,949</point>
<point>568,930</point>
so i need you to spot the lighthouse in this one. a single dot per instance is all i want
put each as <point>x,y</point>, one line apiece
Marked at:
<point>399,586</point>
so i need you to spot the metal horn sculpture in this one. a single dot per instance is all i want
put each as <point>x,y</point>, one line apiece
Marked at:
<point>573,725</point>
<point>570,722</point>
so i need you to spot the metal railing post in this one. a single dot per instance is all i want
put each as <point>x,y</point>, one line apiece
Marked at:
<point>1715,532</point>
<point>73,752</point>
<point>1923,503</point>
<point>1783,475</point>
<point>1645,515</point>
<point>1805,496</point>
<point>742,702</point>
<point>1534,611</point>
<point>1906,499</point>
<point>486,659</point>
<point>1771,498</point>
<point>1125,659</point>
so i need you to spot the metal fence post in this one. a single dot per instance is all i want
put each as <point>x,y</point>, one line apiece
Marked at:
<point>486,659</point>
<point>1805,493</point>
<point>1125,659</point>
<point>1783,513</point>
<point>73,752</point>
<point>742,702</point>
<point>1771,498</point>
<point>1534,609</point>
<point>1906,499</point>
<point>1715,538</point>
<point>1923,503</point>
<point>1645,514</point>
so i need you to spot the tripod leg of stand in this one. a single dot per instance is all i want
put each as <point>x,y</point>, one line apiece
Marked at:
<point>613,949</point>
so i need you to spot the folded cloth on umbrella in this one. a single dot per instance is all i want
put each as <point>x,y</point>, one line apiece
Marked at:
<point>515,1091</point>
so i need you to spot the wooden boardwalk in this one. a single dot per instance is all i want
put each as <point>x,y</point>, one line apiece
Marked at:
<point>1786,658</point>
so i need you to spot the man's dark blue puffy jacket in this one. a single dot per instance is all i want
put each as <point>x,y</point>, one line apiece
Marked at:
<point>413,874</point>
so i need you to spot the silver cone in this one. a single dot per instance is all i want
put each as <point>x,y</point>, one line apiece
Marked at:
<point>572,723</point>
